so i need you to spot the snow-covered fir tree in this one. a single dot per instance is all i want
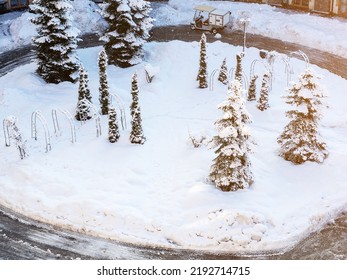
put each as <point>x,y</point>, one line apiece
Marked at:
<point>231,168</point>
<point>300,140</point>
<point>252,90</point>
<point>202,74</point>
<point>128,29</point>
<point>238,69</point>
<point>140,11</point>
<point>223,72</point>
<point>84,97</point>
<point>104,94</point>
<point>136,134</point>
<point>56,40</point>
<point>113,131</point>
<point>263,102</point>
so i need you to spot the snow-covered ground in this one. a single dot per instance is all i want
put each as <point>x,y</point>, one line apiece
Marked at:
<point>157,193</point>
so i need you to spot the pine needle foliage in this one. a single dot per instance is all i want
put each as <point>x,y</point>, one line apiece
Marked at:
<point>231,168</point>
<point>238,70</point>
<point>263,102</point>
<point>55,42</point>
<point>128,29</point>
<point>104,93</point>
<point>223,72</point>
<point>136,134</point>
<point>140,11</point>
<point>252,90</point>
<point>113,130</point>
<point>300,140</point>
<point>83,109</point>
<point>119,36</point>
<point>202,74</point>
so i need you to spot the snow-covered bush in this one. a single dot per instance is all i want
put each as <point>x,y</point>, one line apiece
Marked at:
<point>113,130</point>
<point>223,72</point>
<point>83,109</point>
<point>252,93</point>
<point>238,69</point>
<point>104,93</point>
<point>136,134</point>
<point>263,102</point>
<point>56,40</point>
<point>202,74</point>
<point>300,140</point>
<point>150,72</point>
<point>197,141</point>
<point>231,168</point>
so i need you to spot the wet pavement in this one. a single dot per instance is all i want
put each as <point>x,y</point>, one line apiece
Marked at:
<point>22,238</point>
<point>329,243</point>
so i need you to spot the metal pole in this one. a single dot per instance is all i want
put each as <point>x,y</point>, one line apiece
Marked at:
<point>244,36</point>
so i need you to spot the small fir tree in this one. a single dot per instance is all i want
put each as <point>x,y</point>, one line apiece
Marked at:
<point>263,102</point>
<point>238,70</point>
<point>56,40</point>
<point>136,134</point>
<point>223,73</point>
<point>252,95</point>
<point>103,87</point>
<point>84,97</point>
<point>113,131</point>
<point>300,140</point>
<point>202,74</point>
<point>231,168</point>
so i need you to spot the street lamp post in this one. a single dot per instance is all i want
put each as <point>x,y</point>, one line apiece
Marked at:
<point>244,21</point>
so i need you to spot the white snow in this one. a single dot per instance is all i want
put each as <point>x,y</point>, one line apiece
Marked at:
<point>157,193</point>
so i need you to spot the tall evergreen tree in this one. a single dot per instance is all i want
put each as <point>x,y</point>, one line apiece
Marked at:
<point>252,94</point>
<point>223,73</point>
<point>140,11</point>
<point>103,83</point>
<point>300,140</point>
<point>128,29</point>
<point>119,36</point>
<point>231,168</point>
<point>56,41</point>
<point>238,69</point>
<point>83,109</point>
<point>136,134</point>
<point>202,74</point>
<point>263,102</point>
<point>113,131</point>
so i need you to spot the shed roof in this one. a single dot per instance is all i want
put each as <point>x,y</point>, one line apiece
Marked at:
<point>204,8</point>
<point>220,12</point>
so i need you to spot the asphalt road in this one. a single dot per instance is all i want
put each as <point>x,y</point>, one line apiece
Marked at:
<point>22,238</point>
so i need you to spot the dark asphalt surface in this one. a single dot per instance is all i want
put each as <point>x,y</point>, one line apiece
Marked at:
<point>22,238</point>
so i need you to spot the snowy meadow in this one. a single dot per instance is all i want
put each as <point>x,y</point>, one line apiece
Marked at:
<point>157,193</point>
